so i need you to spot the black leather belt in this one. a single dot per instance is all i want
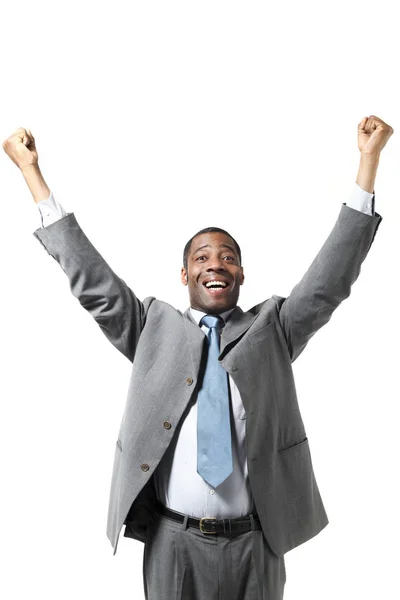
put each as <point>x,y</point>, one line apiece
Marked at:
<point>211,524</point>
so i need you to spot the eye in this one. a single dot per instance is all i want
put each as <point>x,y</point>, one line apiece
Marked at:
<point>199,257</point>
<point>230,258</point>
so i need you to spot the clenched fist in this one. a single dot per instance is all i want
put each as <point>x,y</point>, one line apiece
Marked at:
<point>373,133</point>
<point>20,147</point>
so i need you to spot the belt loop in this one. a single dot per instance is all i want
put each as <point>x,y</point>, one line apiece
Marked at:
<point>185,521</point>
<point>225,525</point>
<point>253,526</point>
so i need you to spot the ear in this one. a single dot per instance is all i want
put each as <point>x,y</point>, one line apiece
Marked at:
<point>242,277</point>
<point>184,276</point>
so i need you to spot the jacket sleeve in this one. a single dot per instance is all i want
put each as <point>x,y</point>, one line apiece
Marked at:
<point>118,312</point>
<point>328,280</point>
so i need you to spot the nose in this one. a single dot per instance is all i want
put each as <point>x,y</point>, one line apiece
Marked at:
<point>217,265</point>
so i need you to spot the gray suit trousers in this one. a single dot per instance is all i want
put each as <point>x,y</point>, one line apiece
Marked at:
<point>182,563</point>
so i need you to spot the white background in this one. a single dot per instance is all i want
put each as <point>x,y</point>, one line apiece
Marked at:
<point>152,121</point>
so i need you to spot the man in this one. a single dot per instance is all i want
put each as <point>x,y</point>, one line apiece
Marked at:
<point>212,466</point>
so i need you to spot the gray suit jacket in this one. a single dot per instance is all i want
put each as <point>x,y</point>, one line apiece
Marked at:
<point>258,348</point>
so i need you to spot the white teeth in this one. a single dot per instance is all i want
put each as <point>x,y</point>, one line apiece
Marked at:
<point>216,283</point>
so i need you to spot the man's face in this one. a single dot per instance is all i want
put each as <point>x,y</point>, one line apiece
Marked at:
<point>213,258</point>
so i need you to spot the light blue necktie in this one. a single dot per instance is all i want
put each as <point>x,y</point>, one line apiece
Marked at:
<point>214,440</point>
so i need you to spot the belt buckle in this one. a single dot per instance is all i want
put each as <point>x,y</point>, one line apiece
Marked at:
<point>201,525</point>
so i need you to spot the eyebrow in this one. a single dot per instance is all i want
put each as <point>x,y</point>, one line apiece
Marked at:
<point>220,246</point>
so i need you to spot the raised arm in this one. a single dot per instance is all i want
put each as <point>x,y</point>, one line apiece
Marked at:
<point>118,312</point>
<point>336,267</point>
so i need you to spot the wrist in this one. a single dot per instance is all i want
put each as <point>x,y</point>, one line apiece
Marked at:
<point>369,163</point>
<point>370,156</point>
<point>31,168</point>
<point>35,181</point>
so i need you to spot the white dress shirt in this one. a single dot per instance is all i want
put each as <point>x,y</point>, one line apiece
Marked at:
<point>180,487</point>
<point>177,483</point>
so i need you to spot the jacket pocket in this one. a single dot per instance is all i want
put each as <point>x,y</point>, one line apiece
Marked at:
<point>295,444</point>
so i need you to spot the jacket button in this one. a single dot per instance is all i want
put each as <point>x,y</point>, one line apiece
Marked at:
<point>145,467</point>
<point>167,425</point>
<point>189,380</point>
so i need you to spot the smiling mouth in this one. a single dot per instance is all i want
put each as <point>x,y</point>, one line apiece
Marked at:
<point>217,288</point>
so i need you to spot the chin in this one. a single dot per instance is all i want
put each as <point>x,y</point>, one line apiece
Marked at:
<point>214,305</point>
<point>219,307</point>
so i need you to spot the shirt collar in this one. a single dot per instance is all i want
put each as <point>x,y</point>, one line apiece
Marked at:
<point>198,315</point>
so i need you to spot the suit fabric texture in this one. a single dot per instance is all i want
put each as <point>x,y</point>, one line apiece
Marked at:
<point>257,349</point>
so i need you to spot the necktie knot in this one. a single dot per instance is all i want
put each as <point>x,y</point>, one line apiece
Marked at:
<point>212,321</point>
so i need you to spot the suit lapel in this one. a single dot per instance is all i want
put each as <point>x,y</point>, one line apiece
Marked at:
<point>195,337</point>
<point>237,324</point>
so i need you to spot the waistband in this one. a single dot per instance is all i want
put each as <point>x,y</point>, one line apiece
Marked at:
<point>211,525</point>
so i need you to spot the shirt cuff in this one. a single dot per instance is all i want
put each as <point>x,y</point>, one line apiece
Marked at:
<point>50,211</point>
<point>362,200</point>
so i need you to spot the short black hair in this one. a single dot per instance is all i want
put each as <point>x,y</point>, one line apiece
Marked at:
<point>209,230</point>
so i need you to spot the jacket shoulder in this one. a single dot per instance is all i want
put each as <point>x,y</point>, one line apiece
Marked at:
<point>160,306</point>
<point>272,304</point>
